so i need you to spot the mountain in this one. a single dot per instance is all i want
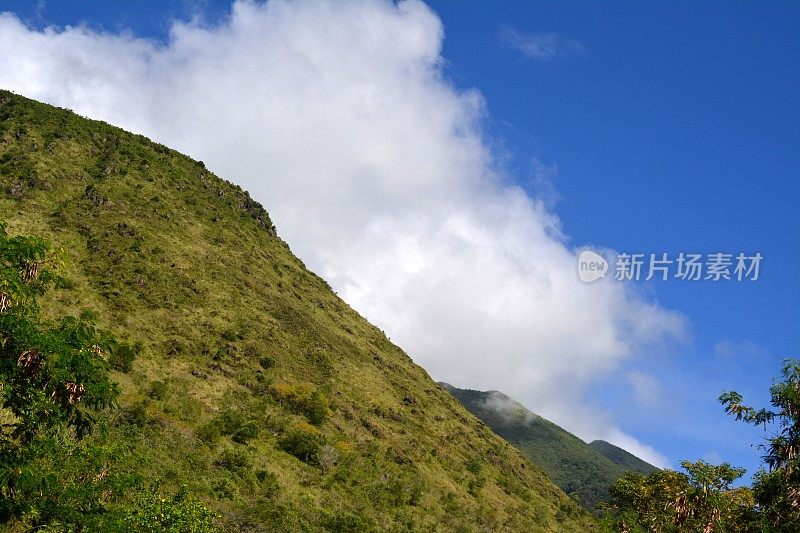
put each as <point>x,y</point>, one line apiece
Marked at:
<point>622,458</point>
<point>248,380</point>
<point>584,470</point>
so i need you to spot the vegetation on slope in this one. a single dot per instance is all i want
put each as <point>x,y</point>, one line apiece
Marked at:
<point>622,458</point>
<point>578,468</point>
<point>243,378</point>
<point>55,385</point>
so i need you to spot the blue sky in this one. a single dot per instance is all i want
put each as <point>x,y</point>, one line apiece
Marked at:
<point>672,128</point>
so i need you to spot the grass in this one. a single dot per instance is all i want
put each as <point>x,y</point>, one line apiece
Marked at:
<point>246,362</point>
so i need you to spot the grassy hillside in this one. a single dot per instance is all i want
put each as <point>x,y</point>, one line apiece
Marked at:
<point>622,458</point>
<point>253,384</point>
<point>575,466</point>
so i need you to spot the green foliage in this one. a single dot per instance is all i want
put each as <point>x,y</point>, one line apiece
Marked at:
<point>268,483</point>
<point>209,433</point>
<point>123,355</point>
<point>477,481</point>
<point>53,381</point>
<point>303,441</point>
<point>158,390</point>
<point>266,362</point>
<point>305,399</point>
<point>346,522</point>
<point>667,501</point>
<point>180,513</point>
<point>235,460</point>
<point>61,485</point>
<point>777,490</point>
<point>238,424</point>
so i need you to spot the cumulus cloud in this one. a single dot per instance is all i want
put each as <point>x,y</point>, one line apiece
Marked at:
<point>540,46</point>
<point>337,117</point>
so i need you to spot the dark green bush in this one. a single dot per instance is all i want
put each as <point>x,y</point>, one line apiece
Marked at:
<point>268,482</point>
<point>474,466</point>
<point>158,390</point>
<point>123,355</point>
<point>315,408</point>
<point>346,522</point>
<point>234,460</point>
<point>247,431</point>
<point>136,414</point>
<point>303,441</point>
<point>209,433</point>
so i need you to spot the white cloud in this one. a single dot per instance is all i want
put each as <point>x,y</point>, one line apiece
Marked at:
<point>336,116</point>
<point>713,458</point>
<point>646,388</point>
<point>540,46</point>
<point>39,8</point>
<point>542,177</point>
<point>742,350</point>
<point>637,448</point>
<point>509,408</point>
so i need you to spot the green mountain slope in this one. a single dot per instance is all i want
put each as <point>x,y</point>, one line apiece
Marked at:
<point>622,458</point>
<point>575,466</point>
<point>254,385</point>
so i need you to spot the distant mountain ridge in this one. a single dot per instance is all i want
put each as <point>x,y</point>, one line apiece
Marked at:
<point>622,458</point>
<point>580,469</point>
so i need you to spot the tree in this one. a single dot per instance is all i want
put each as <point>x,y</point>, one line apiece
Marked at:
<point>54,386</point>
<point>667,501</point>
<point>777,489</point>
<point>54,380</point>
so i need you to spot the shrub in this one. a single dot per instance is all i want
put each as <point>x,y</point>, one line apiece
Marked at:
<point>123,355</point>
<point>136,414</point>
<point>474,466</point>
<point>268,483</point>
<point>475,485</point>
<point>347,522</point>
<point>304,399</point>
<point>327,456</point>
<point>238,424</point>
<point>179,514</point>
<point>245,432</point>
<point>303,441</point>
<point>224,489</point>
<point>158,390</point>
<point>233,460</point>
<point>315,408</point>
<point>209,433</point>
